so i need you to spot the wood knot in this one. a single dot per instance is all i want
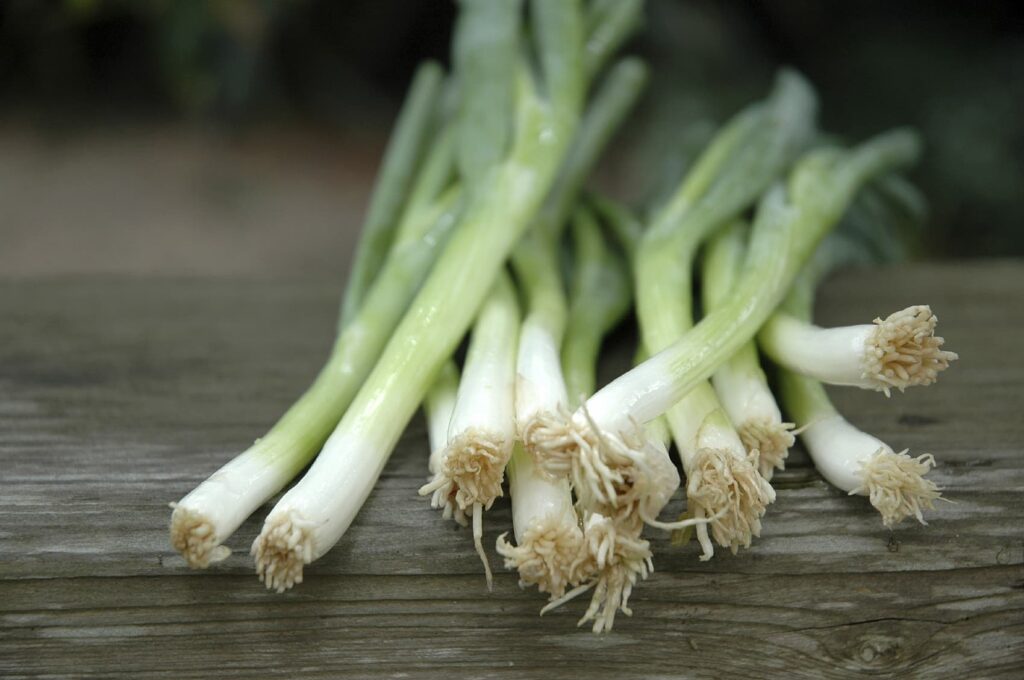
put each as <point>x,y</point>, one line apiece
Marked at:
<point>878,651</point>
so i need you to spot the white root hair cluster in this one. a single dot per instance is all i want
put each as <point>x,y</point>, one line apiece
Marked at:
<point>620,484</point>
<point>609,472</point>
<point>895,485</point>
<point>545,557</point>
<point>613,558</point>
<point>472,470</point>
<point>443,499</point>
<point>194,536</point>
<point>903,351</point>
<point>731,493</point>
<point>771,440</point>
<point>282,549</point>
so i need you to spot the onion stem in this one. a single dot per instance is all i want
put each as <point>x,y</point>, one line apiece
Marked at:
<point>604,434</point>
<point>740,383</point>
<point>599,299</point>
<point>312,517</point>
<point>547,532</point>
<point>482,426</point>
<point>401,158</point>
<point>211,513</point>
<point>897,352</point>
<point>847,457</point>
<point>439,406</point>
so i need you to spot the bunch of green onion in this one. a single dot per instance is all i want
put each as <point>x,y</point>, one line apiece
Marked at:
<point>478,227</point>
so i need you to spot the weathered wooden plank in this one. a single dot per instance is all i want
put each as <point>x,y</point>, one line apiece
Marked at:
<point>121,532</point>
<point>117,396</point>
<point>709,623</point>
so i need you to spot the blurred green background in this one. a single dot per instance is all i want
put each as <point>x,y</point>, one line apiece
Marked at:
<point>232,137</point>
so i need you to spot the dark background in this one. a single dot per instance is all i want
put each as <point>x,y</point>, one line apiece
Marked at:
<point>229,137</point>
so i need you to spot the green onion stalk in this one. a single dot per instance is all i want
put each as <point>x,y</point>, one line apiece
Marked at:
<point>482,428</point>
<point>790,221</point>
<point>503,197</point>
<point>740,163</point>
<point>204,519</point>
<point>486,55</point>
<point>548,539</point>
<point>540,383</point>
<point>609,23</point>
<point>722,481</point>
<point>439,405</point>
<point>413,129</point>
<point>848,458</point>
<point>538,380</point>
<point>740,383</point>
<point>538,377</point>
<point>613,556</point>
<point>897,352</point>
<point>600,297</point>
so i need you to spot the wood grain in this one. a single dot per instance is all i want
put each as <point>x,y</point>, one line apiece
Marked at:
<point>119,395</point>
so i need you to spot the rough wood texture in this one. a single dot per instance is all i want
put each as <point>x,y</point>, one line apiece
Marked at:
<point>117,396</point>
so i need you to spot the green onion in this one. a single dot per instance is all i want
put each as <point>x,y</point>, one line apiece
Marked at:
<point>898,352</point>
<point>540,385</point>
<point>609,24</point>
<point>312,517</point>
<point>539,382</point>
<point>439,406</point>
<point>412,130</point>
<point>599,299</point>
<point>482,428</point>
<point>740,383</point>
<point>789,224</point>
<point>207,516</point>
<point>485,51</point>
<point>548,538</point>
<point>848,458</point>
<point>742,160</point>
<point>614,555</point>
<point>607,557</point>
<point>547,532</point>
